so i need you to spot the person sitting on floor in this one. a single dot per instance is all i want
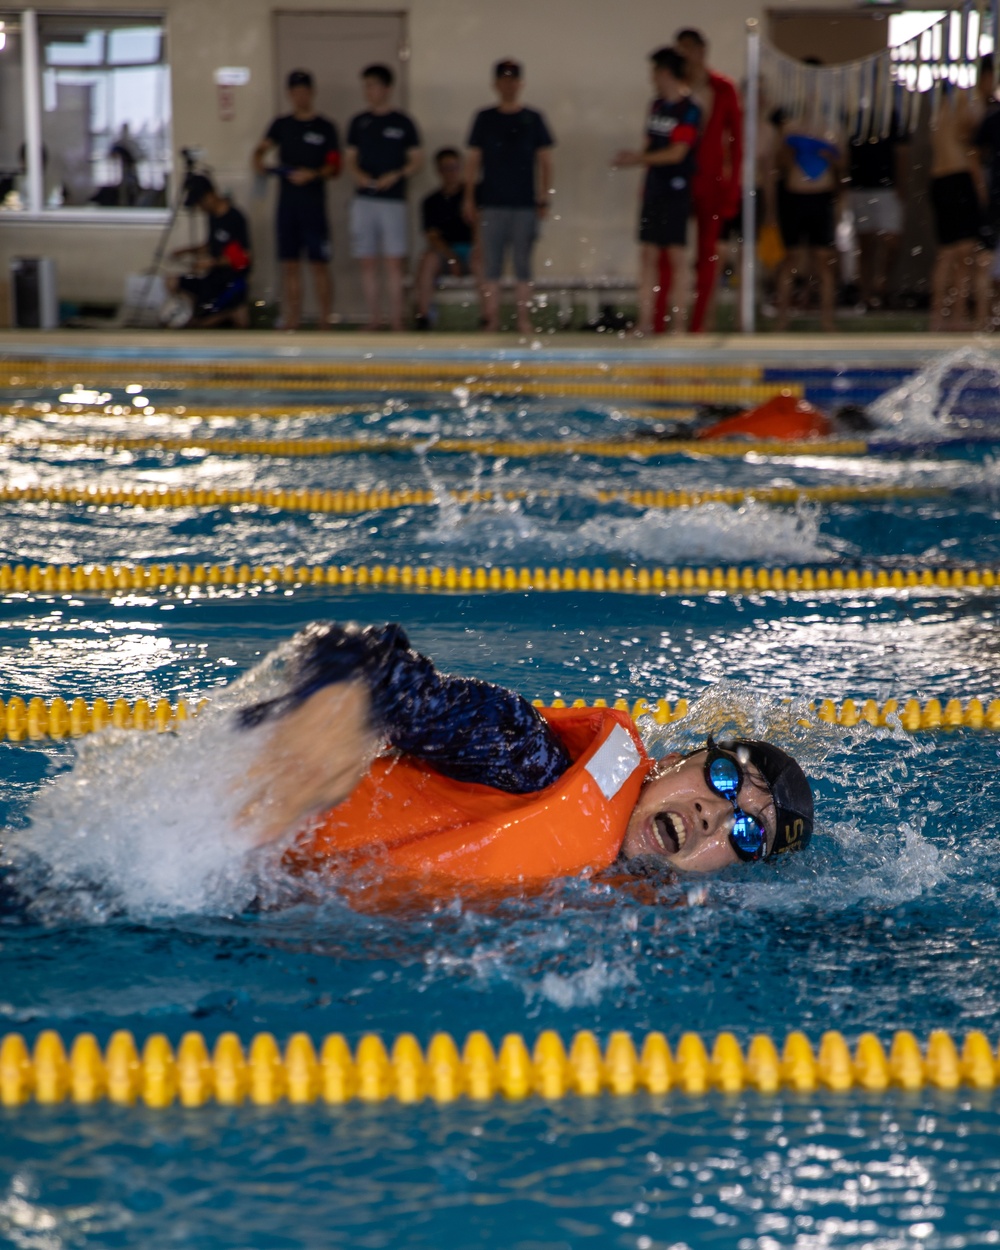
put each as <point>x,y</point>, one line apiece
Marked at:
<point>217,292</point>
<point>450,244</point>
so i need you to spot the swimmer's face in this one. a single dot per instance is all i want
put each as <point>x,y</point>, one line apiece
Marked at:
<point>681,821</point>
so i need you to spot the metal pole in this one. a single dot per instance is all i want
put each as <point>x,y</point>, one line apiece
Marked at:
<point>31,79</point>
<point>748,281</point>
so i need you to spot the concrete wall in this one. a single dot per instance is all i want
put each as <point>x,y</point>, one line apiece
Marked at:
<point>586,69</point>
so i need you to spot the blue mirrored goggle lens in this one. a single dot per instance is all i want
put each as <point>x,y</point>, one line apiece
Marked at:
<point>747,834</point>
<point>724,777</point>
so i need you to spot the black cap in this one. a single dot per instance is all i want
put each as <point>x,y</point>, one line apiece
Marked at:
<point>300,78</point>
<point>195,190</point>
<point>790,790</point>
<point>507,69</point>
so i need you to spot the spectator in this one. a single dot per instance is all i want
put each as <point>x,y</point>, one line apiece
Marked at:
<point>509,170</point>
<point>958,195</point>
<point>448,234</point>
<point>308,154</point>
<point>878,189</point>
<point>218,287</point>
<point>715,186</point>
<point>987,141</point>
<point>383,150</point>
<point>808,168</point>
<point>668,157</point>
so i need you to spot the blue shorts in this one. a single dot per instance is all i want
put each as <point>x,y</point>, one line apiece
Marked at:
<point>302,227</point>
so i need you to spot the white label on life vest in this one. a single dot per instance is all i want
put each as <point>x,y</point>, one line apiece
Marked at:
<point>614,762</point>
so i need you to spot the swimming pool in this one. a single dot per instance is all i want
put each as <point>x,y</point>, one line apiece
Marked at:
<point>150,924</point>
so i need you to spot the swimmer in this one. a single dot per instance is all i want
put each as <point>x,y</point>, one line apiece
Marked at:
<point>374,756</point>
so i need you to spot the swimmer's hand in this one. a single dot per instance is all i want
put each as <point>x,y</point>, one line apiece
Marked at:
<point>307,760</point>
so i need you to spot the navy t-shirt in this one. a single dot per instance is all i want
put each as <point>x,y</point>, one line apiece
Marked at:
<point>229,239</point>
<point>310,144</point>
<point>443,213</point>
<point>382,141</point>
<point>670,123</point>
<point>509,143</point>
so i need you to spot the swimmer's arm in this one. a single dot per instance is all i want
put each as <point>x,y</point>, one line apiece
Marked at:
<point>466,729</point>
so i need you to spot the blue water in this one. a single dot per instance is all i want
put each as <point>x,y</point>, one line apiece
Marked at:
<point>889,922</point>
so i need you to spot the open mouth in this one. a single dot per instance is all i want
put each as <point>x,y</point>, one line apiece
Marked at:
<point>669,831</point>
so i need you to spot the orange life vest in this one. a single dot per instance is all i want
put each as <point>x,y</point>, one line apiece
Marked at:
<point>784,416</point>
<point>407,824</point>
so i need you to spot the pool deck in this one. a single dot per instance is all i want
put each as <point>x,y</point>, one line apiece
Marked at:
<point>824,351</point>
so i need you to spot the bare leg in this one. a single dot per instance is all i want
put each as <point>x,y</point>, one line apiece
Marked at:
<point>868,258</point>
<point>826,263</point>
<point>951,286</point>
<point>427,272</point>
<point>649,286</point>
<point>491,306</point>
<point>291,290</point>
<point>890,250</point>
<point>677,296</point>
<point>369,284</point>
<point>984,288</point>
<point>394,290</point>
<point>324,292</point>
<point>523,296</point>
<point>965,272</point>
<point>939,288</point>
<point>791,266</point>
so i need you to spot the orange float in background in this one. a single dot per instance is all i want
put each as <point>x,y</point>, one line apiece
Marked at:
<point>784,416</point>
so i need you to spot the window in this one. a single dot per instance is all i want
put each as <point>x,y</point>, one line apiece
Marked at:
<point>97,91</point>
<point>11,116</point>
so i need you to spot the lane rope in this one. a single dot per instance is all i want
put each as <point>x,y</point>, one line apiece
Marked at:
<point>365,500</point>
<point>35,718</point>
<point>15,370</point>
<point>112,579</point>
<point>289,447</point>
<point>40,409</point>
<point>265,1075</point>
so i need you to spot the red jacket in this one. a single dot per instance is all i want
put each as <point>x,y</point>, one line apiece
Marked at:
<point>721,137</point>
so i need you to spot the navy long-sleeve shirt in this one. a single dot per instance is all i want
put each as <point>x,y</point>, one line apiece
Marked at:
<point>465,729</point>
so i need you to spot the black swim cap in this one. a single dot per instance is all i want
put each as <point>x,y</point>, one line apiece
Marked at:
<point>195,190</point>
<point>790,790</point>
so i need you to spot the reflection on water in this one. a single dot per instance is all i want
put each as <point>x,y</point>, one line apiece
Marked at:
<point>632,1173</point>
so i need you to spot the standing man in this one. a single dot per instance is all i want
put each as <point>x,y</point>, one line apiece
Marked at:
<point>808,170</point>
<point>509,172</point>
<point>668,157</point>
<point>715,186</point>
<point>448,234</point>
<point>308,154</point>
<point>383,150</point>
<point>958,198</point>
<point>878,192</point>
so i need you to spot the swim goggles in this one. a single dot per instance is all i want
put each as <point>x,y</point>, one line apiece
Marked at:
<point>748,837</point>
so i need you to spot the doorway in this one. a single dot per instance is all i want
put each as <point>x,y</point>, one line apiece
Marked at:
<point>336,47</point>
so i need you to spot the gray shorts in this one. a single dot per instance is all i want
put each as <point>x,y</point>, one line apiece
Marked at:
<point>500,228</point>
<point>877,211</point>
<point>378,228</point>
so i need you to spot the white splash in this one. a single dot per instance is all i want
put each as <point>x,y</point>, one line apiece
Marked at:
<point>752,532</point>
<point>148,823</point>
<point>923,407</point>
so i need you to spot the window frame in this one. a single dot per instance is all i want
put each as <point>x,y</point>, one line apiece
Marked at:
<point>37,212</point>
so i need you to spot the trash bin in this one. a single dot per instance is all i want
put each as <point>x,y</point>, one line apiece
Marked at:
<point>34,304</point>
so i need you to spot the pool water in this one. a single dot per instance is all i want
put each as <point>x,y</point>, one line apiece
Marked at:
<point>123,904</point>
